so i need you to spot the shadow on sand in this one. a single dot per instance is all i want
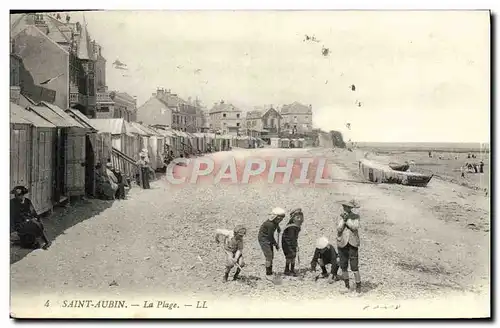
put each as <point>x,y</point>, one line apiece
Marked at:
<point>62,219</point>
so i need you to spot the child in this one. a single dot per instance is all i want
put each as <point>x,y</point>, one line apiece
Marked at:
<point>323,255</point>
<point>233,246</point>
<point>266,237</point>
<point>289,240</point>
<point>348,242</point>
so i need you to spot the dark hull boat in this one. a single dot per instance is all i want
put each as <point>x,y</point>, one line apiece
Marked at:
<point>380,173</point>
<point>399,167</point>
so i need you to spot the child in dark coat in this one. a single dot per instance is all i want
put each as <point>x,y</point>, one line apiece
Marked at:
<point>289,240</point>
<point>266,238</point>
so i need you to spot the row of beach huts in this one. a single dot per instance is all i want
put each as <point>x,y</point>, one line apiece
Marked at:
<point>54,152</point>
<point>287,143</point>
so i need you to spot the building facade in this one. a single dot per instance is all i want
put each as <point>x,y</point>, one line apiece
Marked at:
<point>296,118</point>
<point>125,106</point>
<point>155,112</point>
<point>60,56</point>
<point>225,117</point>
<point>185,114</point>
<point>264,123</point>
<point>104,103</point>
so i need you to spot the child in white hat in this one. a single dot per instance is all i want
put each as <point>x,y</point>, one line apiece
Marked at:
<point>325,254</point>
<point>266,237</point>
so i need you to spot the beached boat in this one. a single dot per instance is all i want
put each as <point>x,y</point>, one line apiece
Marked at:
<point>376,172</point>
<point>399,167</point>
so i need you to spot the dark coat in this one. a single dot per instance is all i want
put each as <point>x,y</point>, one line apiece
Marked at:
<point>289,240</point>
<point>266,233</point>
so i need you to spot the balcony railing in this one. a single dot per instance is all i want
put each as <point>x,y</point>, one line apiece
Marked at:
<point>104,98</point>
<point>76,98</point>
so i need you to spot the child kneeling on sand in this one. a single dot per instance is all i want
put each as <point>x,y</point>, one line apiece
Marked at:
<point>233,246</point>
<point>325,254</point>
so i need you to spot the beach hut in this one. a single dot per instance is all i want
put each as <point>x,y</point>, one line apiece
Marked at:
<point>275,143</point>
<point>154,144</point>
<point>285,143</point>
<point>157,143</point>
<point>137,139</point>
<point>78,128</point>
<point>120,138</point>
<point>70,160</point>
<point>113,126</point>
<point>101,141</point>
<point>169,139</point>
<point>32,140</point>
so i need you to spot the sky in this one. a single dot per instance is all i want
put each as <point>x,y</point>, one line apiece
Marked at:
<point>419,76</point>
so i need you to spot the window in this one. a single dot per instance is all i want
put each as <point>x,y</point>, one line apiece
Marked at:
<point>103,109</point>
<point>237,115</point>
<point>224,115</point>
<point>237,124</point>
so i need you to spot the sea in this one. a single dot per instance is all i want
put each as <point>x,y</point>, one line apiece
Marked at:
<point>428,146</point>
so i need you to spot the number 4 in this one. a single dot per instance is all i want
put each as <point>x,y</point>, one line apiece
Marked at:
<point>47,304</point>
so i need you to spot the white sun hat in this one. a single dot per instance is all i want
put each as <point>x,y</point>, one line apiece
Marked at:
<point>278,211</point>
<point>322,242</point>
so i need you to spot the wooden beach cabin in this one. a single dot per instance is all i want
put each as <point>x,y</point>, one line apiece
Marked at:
<point>70,160</point>
<point>285,143</point>
<point>32,140</point>
<point>275,143</point>
<point>120,143</point>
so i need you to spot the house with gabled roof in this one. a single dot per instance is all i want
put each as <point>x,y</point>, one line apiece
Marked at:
<point>225,118</point>
<point>296,118</point>
<point>70,67</point>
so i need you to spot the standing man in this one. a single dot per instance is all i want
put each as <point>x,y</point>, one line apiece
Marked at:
<point>266,237</point>
<point>348,242</point>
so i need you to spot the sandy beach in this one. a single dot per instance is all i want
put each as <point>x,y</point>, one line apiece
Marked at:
<point>417,243</point>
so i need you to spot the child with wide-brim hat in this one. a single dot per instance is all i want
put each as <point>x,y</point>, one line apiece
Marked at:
<point>348,241</point>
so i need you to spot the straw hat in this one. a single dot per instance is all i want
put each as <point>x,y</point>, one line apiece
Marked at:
<point>352,204</point>
<point>321,243</point>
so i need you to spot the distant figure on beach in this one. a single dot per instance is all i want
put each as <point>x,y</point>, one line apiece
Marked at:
<point>468,155</point>
<point>475,167</point>
<point>481,167</point>
<point>430,154</point>
<point>412,166</point>
<point>462,170</point>
<point>456,157</point>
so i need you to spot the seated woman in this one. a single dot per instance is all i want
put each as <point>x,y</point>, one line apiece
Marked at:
<point>25,221</point>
